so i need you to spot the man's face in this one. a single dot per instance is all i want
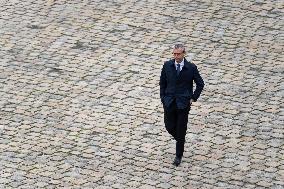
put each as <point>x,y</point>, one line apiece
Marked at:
<point>178,55</point>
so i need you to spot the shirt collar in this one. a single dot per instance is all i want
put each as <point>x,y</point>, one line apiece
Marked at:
<point>181,64</point>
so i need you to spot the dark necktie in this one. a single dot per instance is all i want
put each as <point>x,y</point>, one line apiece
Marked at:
<point>178,69</point>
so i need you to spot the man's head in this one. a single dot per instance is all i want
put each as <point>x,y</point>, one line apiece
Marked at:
<point>179,52</point>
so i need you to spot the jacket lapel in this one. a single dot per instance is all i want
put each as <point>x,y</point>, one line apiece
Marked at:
<point>173,67</point>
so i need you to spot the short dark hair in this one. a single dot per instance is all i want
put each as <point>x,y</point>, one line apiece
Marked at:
<point>180,46</point>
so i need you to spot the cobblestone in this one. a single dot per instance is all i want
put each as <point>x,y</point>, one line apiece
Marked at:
<point>79,94</point>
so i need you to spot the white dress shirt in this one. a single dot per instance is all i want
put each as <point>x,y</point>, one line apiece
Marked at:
<point>181,64</point>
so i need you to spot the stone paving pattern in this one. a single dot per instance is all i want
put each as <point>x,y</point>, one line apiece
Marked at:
<point>79,94</point>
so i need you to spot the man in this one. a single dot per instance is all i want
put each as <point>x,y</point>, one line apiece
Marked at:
<point>176,93</point>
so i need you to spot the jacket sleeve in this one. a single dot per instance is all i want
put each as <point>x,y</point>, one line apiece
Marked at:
<point>163,83</point>
<point>199,84</point>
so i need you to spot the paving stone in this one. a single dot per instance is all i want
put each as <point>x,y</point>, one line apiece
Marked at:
<point>79,95</point>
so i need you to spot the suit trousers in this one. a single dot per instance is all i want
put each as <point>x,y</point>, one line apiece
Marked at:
<point>176,124</point>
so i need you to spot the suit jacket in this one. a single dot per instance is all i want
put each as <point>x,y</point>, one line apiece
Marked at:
<point>179,87</point>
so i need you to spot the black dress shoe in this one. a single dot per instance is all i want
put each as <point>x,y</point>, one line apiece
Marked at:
<point>177,161</point>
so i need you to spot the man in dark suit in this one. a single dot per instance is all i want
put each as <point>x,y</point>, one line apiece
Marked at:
<point>176,93</point>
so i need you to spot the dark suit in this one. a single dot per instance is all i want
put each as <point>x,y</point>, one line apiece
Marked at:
<point>175,93</point>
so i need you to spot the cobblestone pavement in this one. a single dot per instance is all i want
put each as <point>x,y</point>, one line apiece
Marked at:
<point>79,94</point>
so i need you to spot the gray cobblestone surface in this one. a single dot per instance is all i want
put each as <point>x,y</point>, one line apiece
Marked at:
<point>79,94</point>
